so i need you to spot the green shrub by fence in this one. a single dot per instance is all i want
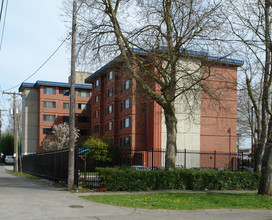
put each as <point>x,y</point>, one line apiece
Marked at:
<point>116,179</point>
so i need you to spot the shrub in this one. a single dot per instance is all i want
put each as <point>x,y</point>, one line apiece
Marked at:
<point>99,149</point>
<point>116,179</point>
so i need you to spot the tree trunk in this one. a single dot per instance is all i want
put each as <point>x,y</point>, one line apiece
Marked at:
<point>171,146</point>
<point>258,157</point>
<point>266,89</point>
<point>265,186</point>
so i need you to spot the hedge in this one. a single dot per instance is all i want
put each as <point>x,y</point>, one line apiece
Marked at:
<point>116,179</point>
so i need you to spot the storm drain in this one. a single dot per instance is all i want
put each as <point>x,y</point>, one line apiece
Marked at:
<point>76,206</point>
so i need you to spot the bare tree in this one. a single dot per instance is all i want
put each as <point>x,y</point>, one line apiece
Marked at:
<point>250,102</point>
<point>153,38</point>
<point>255,24</point>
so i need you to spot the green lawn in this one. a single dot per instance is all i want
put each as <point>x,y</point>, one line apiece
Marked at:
<point>25,175</point>
<point>187,201</point>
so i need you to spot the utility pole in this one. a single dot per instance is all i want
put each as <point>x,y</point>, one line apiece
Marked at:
<point>15,130</point>
<point>71,171</point>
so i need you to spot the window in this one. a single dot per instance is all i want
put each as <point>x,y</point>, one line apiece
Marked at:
<point>96,83</point>
<point>49,104</point>
<point>96,98</point>
<point>121,108</point>
<point>96,113</point>
<point>110,109</point>
<point>127,142</point>
<point>121,142</point>
<point>65,105</point>
<point>84,93</point>
<point>110,75</point>
<point>127,122</point>
<point>83,106</point>
<point>110,92</point>
<point>127,84</point>
<point>48,131</point>
<point>82,119</point>
<point>109,126</point>
<point>49,117</point>
<point>121,124</point>
<point>65,118</point>
<point>66,92</point>
<point>49,91</point>
<point>96,128</point>
<point>127,103</point>
<point>84,132</point>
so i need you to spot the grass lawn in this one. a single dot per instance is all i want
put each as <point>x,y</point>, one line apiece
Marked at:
<point>25,175</point>
<point>187,201</point>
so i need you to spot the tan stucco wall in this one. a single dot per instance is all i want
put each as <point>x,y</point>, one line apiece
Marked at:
<point>29,121</point>
<point>188,116</point>
<point>80,77</point>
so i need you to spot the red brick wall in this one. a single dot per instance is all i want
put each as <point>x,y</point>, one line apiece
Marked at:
<point>59,112</point>
<point>137,112</point>
<point>218,115</point>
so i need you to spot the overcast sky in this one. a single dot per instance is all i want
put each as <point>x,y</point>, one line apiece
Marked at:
<point>33,31</point>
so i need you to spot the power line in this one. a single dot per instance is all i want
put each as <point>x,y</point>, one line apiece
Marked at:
<point>4,25</point>
<point>2,5</point>
<point>42,64</point>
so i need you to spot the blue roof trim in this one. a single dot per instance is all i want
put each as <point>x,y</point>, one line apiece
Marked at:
<point>194,52</point>
<point>48,83</point>
<point>99,71</point>
<point>226,60</point>
<point>139,51</point>
<point>62,84</point>
<point>25,84</point>
<point>189,52</point>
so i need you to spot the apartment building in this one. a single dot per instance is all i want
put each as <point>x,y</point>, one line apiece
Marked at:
<point>47,103</point>
<point>114,106</point>
<point>122,112</point>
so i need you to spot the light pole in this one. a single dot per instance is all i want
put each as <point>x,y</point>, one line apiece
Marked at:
<point>229,131</point>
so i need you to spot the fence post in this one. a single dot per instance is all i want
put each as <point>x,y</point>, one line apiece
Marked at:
<point>152,157</point>
<point>214,165</point>
<point>76,167</point>
<point>130,156</point>
<point>185,158</point>
<point>242,161</point>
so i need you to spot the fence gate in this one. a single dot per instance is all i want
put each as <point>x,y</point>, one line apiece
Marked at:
<point>85,168</point>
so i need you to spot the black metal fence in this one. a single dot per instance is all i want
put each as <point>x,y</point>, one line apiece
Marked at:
<point>49,165</point>
<point>54,165</point>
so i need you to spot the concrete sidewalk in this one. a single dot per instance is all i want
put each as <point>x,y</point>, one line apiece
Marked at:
<point>23,199</point>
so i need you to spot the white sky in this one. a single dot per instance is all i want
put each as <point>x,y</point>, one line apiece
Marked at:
<point>33,31</point>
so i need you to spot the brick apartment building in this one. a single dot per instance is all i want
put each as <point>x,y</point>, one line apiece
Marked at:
<point>47,103</point>
<point>114,106</point>
<point>134,121</point>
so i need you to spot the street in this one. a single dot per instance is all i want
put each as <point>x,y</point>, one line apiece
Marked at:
<point>23,199</point>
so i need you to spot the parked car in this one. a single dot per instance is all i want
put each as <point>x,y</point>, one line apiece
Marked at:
<point>157,168</point>
<point>138,167</point>
<point>9,159</point>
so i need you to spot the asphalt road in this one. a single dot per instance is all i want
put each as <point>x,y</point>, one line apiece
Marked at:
<point>23,199</point>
